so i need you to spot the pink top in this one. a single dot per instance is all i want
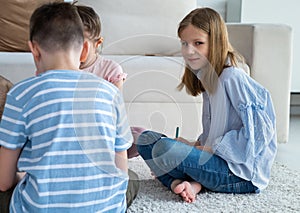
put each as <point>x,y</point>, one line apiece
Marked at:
<point>107,69</point>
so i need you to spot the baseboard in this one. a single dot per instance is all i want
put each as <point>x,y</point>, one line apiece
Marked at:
<point>295,104</point>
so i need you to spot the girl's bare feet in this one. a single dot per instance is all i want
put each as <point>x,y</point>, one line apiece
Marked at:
<point>187,190</point>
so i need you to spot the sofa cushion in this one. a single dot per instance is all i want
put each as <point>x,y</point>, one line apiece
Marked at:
<point>153,79</point>
<point>152,99</point>
<point>141,27</point>
<point>16,66</point>
<point>14,23</point>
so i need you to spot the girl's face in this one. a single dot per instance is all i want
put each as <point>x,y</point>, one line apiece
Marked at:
<point>194,47</point>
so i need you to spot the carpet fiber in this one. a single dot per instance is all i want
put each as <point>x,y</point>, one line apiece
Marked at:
<point>282,195</point>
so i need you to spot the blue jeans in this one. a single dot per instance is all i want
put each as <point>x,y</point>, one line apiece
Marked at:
<point>169,160</point>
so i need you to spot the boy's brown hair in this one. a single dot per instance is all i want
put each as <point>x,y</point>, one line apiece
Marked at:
<point>5,86</point>
<point>56,26</point>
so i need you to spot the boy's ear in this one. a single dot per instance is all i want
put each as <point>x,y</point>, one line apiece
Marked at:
<point>84,52</point>
<point>34,50</point>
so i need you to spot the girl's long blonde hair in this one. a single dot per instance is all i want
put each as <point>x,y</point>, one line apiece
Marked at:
<point>220,49</point>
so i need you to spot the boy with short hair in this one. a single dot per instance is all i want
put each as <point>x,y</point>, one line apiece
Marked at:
<point>66,129</point>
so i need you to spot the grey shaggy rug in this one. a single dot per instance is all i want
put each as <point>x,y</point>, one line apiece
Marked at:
<point>282,195</point>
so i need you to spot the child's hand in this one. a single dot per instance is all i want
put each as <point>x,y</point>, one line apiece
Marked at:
<point>205,148</point>
<point>196,144</point>
<point>190,143</point>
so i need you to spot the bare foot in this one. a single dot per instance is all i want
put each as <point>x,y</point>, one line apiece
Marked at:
<point>187,190</point>
<point>153,175</point>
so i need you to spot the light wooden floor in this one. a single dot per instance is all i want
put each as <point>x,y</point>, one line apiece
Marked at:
<point>289,153</point>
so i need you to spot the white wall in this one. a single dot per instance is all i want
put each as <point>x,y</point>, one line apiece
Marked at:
<point>218,5</point>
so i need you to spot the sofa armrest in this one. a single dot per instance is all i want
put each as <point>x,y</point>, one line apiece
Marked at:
<point>267,49</point>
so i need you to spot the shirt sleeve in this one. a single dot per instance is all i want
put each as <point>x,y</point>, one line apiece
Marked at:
<point>12,125</point>
<point>124,138</point>
<point>114,71</point>
<point>254,106</point>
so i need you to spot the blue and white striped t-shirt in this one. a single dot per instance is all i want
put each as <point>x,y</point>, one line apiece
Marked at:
<point>69,124</point>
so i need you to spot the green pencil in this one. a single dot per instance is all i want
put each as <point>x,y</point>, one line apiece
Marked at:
<point>177,132</point>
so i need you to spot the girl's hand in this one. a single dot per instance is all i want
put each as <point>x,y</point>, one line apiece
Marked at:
<point>196,144</point>
<point>190,143</point>
<point>205,148</point>
<point>119,84</point>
